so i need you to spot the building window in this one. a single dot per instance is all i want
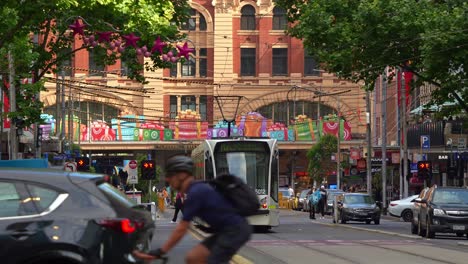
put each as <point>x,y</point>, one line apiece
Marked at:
<point>310,65</point>
<point>173,70</point>
<point>285,112</point>
<point>248,18</point>
<point>188,102</point>
<point>189,65</point>
<point>203,62</point>
<point>203,107</point>
<point>173,107</point>
<point>67,63</point>
<point>280,61</point>
<point>280,21</point>
<point>248,61</point>
<point>94,66</point>
<point>196,19</point>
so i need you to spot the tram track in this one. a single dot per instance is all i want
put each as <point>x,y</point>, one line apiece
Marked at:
<point>344,258</point>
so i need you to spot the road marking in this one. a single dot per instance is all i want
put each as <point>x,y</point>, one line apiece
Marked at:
<point>272,243</point>
<point>236,259</point>
<point>463,244</point>
<point>371,230</point>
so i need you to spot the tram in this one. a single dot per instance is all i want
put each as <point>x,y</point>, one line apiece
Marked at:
<point>255,161</point>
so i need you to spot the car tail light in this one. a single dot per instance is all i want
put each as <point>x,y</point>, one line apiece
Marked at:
<point>393,204</point>
<point>124,225</point>
<point>264,203</point>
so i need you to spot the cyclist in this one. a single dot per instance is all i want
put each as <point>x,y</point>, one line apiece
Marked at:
<point>230,230</point>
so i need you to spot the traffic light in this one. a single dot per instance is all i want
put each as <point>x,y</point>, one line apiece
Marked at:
<point>148,170</point>
<point>82,164</point>
<point>424,169</point>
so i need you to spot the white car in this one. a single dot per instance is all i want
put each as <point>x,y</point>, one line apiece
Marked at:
<point>402,208</point>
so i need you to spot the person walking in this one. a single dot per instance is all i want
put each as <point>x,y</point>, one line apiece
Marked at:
<point>230,230</point>
<point>179,201</point>
<point>322,201</point>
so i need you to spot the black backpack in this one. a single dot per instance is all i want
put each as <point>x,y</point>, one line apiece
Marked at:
<point>240,195</point>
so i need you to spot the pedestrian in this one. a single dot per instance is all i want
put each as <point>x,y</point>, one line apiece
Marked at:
<point>291,191</point>
<point>313,201</point>
<point>230,230</point>
<point>322,201</point>
<point>179,201</point>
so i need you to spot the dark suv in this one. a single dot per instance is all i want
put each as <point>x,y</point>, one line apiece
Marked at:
<point>443,210</point>
<point>356,207</point>
<point>59,217</point>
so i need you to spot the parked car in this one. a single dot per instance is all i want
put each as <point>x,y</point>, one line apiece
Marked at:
<point>416,209</point>
<point>355,207</point>
<point>402,208</point>
<point>443,210</point>
<point>331,193</point>
<point>49,216</point>
<point>302,202</point>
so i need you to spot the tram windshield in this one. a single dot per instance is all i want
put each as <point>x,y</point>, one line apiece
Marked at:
<point>246,160</point>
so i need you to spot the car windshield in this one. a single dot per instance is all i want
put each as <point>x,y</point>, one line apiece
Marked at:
<point>285,193</point>
<point>451,196</point>
<point>331,195</point>
<point>358,199</point>
<point>304,194</point>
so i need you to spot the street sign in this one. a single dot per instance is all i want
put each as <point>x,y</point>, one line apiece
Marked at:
<point>132,171</point>
<point>132,164</point>
<point>70,166</point>
<point>461,144</point>
<point>414,167</point>
<point>425,142</point>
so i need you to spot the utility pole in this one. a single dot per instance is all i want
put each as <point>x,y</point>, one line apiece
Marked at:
<point>404,137</point>
<point>369,143</point>
<point>384,140</point>
<point>13,138</point>
<point>338,158</point>
<point>62,134</point>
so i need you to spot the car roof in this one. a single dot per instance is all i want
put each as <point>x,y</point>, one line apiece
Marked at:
<point>359,194</point>
<point>45,175</point>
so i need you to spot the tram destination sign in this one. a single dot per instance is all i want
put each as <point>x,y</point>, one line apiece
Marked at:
<point>242,146</point>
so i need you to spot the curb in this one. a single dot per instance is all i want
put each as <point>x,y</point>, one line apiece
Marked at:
<point>463,244</point>
<point>198,234</point>
<point>373,230</point>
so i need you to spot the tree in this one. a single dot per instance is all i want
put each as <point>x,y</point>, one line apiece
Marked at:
<point>319,156</point>
<point>43,34</point>
<point>358,39</point>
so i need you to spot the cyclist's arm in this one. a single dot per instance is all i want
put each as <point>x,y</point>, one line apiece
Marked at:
<point>176,235</point>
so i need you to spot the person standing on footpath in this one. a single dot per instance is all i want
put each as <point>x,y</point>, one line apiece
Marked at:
<point>230,230</point>
<point>322,201</point>
<point>179,203</point>
<point>313,201</point>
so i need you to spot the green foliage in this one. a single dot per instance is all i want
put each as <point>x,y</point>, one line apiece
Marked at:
<point>319,156</point>
<point>21,20</point>
<point>358,39</point>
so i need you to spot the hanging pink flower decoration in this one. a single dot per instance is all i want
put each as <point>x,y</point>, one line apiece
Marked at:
<point>139,52</point>
<point>147,54</point>
<point>158,45</point>
<point>184,50</point>
<point>170,54</point>
<point>174,59</point>
<point>131,40</point>
<point>77,27</point>
<point>121,49</point>
<point>104,36</point>
<point>165,57</point>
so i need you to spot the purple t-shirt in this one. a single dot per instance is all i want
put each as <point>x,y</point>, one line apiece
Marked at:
<point>204,202</point>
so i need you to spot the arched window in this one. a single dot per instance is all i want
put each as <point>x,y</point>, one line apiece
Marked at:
<point>280,21</point>
<point>196,19</point>
<point>248,18</point>
<point>284,112</point>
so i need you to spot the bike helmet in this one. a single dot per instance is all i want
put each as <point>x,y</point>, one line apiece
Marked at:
<point>178,164</point>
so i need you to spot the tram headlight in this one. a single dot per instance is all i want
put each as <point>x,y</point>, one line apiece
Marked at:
<point>264,203</point>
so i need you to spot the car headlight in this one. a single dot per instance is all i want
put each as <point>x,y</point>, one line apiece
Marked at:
<point>439,212</point>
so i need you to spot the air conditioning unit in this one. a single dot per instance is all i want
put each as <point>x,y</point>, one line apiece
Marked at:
<point>393,143</point>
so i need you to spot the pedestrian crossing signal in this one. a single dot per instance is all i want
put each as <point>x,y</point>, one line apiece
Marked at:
<point>148,170</point>
<point>424,169</point>
<point>82,164</point>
